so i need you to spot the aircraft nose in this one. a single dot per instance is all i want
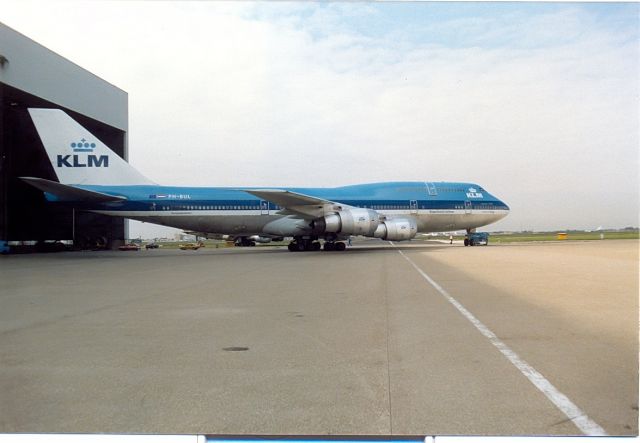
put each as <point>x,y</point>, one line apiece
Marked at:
<point>505,209</point>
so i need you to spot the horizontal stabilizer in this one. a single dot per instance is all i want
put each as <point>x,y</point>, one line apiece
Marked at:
<point>70,193</point>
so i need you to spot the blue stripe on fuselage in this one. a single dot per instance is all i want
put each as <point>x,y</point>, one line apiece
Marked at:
<point>389,195</point>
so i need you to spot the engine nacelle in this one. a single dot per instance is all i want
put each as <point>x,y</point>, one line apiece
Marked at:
<point>356,221</point>
<point>397,229</point>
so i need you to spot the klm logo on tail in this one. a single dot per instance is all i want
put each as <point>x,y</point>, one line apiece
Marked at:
<point>80,160</point>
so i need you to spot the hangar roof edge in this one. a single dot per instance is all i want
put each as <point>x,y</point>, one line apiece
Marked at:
<point>63,82</point>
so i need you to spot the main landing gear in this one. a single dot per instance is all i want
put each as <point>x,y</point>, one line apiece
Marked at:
<point>301,244</point>
<point>244,241</point>
<point>334,246</point>
<point>304,245</point>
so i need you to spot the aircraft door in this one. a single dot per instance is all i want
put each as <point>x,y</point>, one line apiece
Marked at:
<point>413,205</point>
<point>467,207</point>
<point>264,207</point>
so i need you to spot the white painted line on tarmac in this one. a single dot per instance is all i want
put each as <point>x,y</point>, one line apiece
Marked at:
<point>561,401</point>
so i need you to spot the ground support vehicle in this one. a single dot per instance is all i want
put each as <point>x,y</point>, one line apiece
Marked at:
<point>476,239</point>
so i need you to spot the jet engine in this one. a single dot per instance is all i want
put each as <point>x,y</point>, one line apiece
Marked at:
<point>397,229</point>
<point>356,221</point>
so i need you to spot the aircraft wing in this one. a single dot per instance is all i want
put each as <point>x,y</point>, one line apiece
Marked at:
<point>70,193</point>
<point>294,203</point>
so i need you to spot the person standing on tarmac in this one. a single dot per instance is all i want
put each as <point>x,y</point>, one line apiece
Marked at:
<point>450,239</point>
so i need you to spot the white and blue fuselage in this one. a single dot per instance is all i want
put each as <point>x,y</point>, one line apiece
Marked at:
<point>436,207</point>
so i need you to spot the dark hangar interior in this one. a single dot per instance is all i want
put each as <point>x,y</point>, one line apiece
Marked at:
<point>27,222</point>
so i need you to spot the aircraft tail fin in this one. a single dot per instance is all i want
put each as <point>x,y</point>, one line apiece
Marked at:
<point>77,156</point>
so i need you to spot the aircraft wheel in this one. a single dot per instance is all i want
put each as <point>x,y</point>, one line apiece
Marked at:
<point>292,247</point>
<point>316,246</point>
<point>301,246</point>
<point>329,246</point>
<point>252,243</point>
<point>466,242</point>
<point>340,246</point>
<point>472,243</point>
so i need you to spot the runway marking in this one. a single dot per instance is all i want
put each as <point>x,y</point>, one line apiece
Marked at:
<point>561,401</point>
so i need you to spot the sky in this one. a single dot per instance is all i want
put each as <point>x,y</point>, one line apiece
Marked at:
<point>536,102</point>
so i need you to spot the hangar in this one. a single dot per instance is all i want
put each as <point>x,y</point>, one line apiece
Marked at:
<point>34,76</point>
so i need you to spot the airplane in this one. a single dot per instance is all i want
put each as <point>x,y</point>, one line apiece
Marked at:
<point>92,177</point>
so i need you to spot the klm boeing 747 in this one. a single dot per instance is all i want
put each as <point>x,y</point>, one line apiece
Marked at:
<point>93,178</point>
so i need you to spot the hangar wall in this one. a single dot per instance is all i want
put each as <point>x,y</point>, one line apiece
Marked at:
<point>33,76</point>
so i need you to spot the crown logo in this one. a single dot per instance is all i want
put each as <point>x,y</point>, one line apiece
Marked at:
<point>83,146</point>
